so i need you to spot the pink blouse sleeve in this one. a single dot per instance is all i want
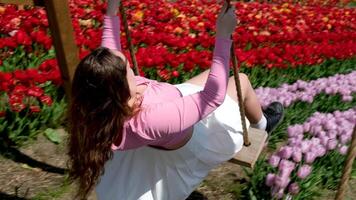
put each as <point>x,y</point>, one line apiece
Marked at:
<point>111,33</point>
<point>160,121</point>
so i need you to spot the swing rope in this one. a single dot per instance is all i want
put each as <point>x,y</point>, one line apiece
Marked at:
<point>129,40</point>
<point>239,95</point>
<point>238,88</point>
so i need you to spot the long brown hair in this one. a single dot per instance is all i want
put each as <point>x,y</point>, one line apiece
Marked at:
<point>99,107</point>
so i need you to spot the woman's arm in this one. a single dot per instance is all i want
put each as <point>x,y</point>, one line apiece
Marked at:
<point>159,123</point>
<point>111,28</point>
<point>162,123</point>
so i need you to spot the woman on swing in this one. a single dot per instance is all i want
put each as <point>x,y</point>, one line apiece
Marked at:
<point>136,138</point>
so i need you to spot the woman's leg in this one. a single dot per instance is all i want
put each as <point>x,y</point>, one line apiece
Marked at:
<point>253,108</point>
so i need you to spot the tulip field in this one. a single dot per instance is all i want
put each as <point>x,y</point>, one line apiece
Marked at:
<point>300,53</point>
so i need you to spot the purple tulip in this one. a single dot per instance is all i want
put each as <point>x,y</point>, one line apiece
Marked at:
<point>274,160</point>
<point>321,134</point>
<point>344,138</point>
<point>343,150</point>
<point>332,134</point>
<point>285,172</point>
<point>320,151</point>
<point>285,152</point>
<point>293,188</point>
<point>317,129</point>
<point>331,144</point>
<point>310,157</point>
<point>278,193</point>
<point>305,146</point>
<point>286,164</point>
<point>294,142</point>
<point>270,179</point>
<point>281,182</point>
<point>324,140</point>
<point>306,127</point>
<point>304,171</point>
<point>347,98</point>
<point>297,155</point>
<point>330,125</point>
<point>315,141</point>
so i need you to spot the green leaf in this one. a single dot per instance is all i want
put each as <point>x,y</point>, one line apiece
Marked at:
<point>52,135</point>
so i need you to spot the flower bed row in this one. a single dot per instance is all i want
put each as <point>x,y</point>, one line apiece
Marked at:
<point>343,84</point>
<point>329,3</point>
<point>313,139</point>
<point>182,32</point>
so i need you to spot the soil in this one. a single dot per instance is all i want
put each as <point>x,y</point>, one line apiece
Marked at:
<point>37,171</point>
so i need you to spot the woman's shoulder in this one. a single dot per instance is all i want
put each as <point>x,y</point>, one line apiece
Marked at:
<point>141,80</point>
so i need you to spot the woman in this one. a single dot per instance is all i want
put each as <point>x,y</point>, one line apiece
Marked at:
<point>135,138</point>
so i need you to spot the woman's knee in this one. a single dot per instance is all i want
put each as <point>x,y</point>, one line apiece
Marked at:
<point>244,83</point>
<point>243,79</point>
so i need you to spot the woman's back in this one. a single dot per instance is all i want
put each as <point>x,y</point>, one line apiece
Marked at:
<point>154,94</point>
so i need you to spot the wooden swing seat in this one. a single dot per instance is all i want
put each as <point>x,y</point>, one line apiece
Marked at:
<point>248,155</point>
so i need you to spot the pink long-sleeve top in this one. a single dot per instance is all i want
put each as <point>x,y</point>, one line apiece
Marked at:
<point>166,116</point>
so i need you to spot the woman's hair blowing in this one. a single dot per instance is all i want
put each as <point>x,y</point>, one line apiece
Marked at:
<point>99,107</point>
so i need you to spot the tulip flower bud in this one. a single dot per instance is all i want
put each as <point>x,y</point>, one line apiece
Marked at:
<point>343,150</point>
<point>274,160</point>
<point>297,155</point>
<point>304,171</point>
<point>285,152</point>
<point>310,157</point>
<point>278,193</point>
<point>270,179</point>
<point>331,144</point>
<point>305,146</point>
<point>293,188</point>
<point>320,151</point>
<point>344,138</point>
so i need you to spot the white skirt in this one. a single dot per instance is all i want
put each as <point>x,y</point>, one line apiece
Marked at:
<point>152,174</point>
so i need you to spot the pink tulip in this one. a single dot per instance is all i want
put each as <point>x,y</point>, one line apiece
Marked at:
<point>294,142</point>
<point>324,140</point>
<point>285,172</point>
<point>293,188</point>
<point>344,138</point>
<point>332,134</point>
<point>291,131</point>
<point>297,155</point>
<point>331,144</point>
<point>315,141</point>
<point>274,160</point>
<point>305,146</point>
<point>304,171</point>
<point>281,182</point>
<point>343,150</point>
<point>347,98</point>
<point>270,179</point>
<point>278,193</point>
<point>317,129</point>
<point>306,127</point>
<point>320,151</point>
<point>309,157</point>
<point>285,152</point>
<point>286,164</point>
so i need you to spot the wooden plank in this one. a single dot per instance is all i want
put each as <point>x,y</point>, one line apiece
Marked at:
<point>248,156</point>
<point>63,39</point>
<point>24,2</point>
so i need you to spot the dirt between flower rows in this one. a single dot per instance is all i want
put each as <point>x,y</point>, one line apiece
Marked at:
<point>37,171</point>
